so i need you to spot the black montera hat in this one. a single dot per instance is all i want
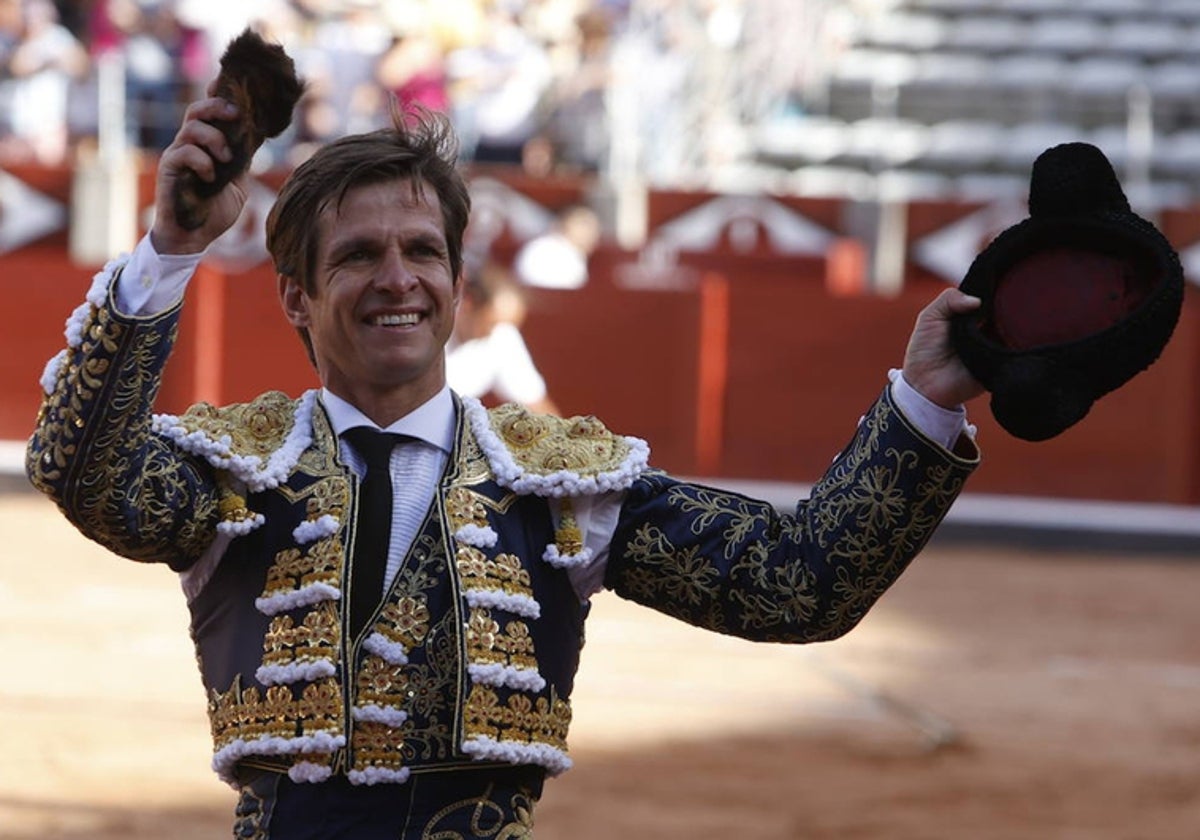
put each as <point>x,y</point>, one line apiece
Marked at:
<point>1077,299</point>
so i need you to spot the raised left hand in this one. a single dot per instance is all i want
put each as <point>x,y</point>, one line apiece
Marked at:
<point>930,364</point>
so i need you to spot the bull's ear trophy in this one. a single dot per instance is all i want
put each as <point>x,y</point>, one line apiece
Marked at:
<point>260,79</point>
<point>1077,299</point>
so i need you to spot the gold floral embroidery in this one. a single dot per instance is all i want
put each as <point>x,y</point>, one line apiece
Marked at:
<point>708,505</point>
<point>295,569</point>
<point>249,714</point>
<point>541,444</point>
<point>254,428</point>
<point>520,718</point>
<point>464,507</point>
<point>487,643</point>
<point>504,573</point>
<point>317,637</point>
<point>381,682</point>
<point>128,489</point>
<point>735,565</point>
<point>377,745</point>
<point>405,620</point>
<point>682,573</point>
<point>330,495</point>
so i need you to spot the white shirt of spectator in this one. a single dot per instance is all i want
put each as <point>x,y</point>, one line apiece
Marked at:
<point>498,363</point>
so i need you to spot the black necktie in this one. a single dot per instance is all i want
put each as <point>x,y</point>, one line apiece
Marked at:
<point>373,527</point>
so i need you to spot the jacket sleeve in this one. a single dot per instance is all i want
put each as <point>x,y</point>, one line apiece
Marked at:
<point>735,565</point>
<point>93,451</point>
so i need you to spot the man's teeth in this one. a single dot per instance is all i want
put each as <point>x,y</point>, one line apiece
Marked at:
<point>407,319</point>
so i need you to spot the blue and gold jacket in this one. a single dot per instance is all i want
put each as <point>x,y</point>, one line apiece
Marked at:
<point>472,654</point>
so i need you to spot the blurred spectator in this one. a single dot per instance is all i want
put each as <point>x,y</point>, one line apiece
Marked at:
<point>587,86</point>
<point>577,109</point>
<point>499,85</point>
<point>163,60</point>
<point>487,356</point>
<point>413,69</point>
<point>558,259</point>
<point>12,23</point>
<point>345,50</point>
<point>42,64</point>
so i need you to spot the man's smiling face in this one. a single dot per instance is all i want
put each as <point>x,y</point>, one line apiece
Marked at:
<point>384,297</point>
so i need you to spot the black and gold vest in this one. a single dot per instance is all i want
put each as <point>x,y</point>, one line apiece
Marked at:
<point>472,654</point>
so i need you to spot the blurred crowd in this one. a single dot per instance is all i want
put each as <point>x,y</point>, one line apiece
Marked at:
<point>660,87</point>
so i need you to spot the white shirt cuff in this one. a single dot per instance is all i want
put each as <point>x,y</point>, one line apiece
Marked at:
<point>596,517</point>
<point>151,283</point>
<point>941,425</point>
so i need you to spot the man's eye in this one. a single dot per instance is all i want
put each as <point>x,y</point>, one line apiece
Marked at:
<point>426,249</point>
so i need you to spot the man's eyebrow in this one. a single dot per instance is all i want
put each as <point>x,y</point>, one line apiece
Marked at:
<point>353,243</point>
<point>431,238</point>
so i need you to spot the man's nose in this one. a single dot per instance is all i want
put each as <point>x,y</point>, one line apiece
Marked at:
<point>395,273</point>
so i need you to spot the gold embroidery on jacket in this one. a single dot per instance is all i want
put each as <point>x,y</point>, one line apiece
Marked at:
<point>541,444</point>
<point>377,745</point>
<point>426,689</point>
<point>521,718</point>
<point>328,495</point>
<point>487,643</point>
<point>249,714</point>
<point>405,621</point>
<point>504,573</point>
<point>297,568</point>
<point>257,428</point>
<point>870,513</point>
<point>464,507</point>
<point>119,466</point>
<point>318,636</point>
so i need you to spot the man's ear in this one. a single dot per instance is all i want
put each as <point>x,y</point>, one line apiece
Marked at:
<point>294,301</point>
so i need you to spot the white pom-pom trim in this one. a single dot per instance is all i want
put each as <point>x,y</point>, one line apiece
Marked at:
<point>520,604</point>
<point>312,530</point>
<point>240,527</point>
<point>303,671</point>
<point>374,713</point>
<point>489,749</point>
<point>228,756</point>
<point>476,535</point>
<point>309,772</point>
<point>248,468</point>
<point>566,561</point>
<point>77,321</point>
<point>557,484</point>
<point>102,280</point>
<point>307,596</point>
<point>76,324</point>
<point>49,380</point>
<point>506,676</point>
<point>387,650</point>
<point>377,775</point>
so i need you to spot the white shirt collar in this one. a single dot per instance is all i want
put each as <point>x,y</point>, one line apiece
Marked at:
<point>432,422</point>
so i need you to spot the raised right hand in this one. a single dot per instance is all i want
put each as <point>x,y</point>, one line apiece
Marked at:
<point>194,148</point>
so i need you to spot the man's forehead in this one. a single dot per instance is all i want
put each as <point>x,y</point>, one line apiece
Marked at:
<point>406,194</point>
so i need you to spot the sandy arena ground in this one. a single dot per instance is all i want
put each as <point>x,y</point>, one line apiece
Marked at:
<point>992,694</point>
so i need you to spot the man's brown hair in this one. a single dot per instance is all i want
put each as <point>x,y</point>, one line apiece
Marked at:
<point>420,146</point>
